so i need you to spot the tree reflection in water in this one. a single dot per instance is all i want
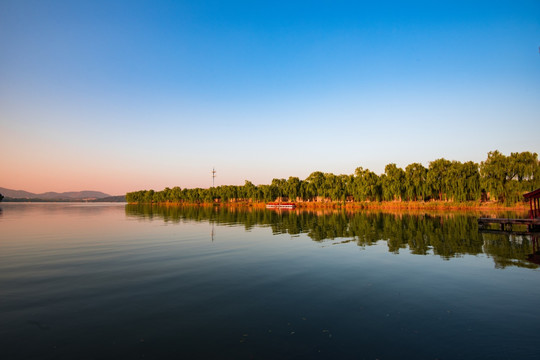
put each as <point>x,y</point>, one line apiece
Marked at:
<point>450,234</point>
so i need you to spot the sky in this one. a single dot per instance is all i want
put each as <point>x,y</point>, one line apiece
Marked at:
<point>120,96</point>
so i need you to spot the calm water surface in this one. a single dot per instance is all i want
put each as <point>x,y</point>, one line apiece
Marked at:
<point>92,281</point>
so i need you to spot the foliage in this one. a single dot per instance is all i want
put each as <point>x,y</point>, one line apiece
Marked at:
<point>505,178</point>
<point>416,182</point>
<point>498,178</point>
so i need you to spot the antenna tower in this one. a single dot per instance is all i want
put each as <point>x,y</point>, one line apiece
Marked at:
<point>213,175</point>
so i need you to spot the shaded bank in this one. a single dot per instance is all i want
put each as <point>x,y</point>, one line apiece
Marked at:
<point>447,235</point>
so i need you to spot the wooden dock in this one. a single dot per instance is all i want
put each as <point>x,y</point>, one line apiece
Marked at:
<point>506,224</point>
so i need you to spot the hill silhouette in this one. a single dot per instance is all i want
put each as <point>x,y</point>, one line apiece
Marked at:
<point>50,196</point>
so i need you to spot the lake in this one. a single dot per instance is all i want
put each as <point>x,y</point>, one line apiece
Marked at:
<point>94,281</point>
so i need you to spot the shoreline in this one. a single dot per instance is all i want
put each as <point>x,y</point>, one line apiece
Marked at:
<point>388,205</point>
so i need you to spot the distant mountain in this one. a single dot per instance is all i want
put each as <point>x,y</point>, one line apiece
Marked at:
<point>65,196</point>
<point>16,193</point>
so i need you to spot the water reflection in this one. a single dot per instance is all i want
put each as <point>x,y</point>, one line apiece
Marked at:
<point>447,235</point>
<point>535,256</point>
<point>111,281</point>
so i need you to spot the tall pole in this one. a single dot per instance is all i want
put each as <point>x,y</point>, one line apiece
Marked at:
<point>213,175</point>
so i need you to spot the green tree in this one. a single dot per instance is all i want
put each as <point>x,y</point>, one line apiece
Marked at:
<point>332,187</point>
<point>415,182</point>
<point>268,193</point>
<point>394,184</point>
<point>471,181</point>
<point>495,173</point>
<point>250,190</point>
<point>305,191</point>
<point>315,182</point>
<point>523,165</point>
<point>360,186</point>
<point>437,178</point>
<point>347,185</point>
<point>149,196</point>
<point>176,194</point>
<point>366,185</point>
<point>277,188</point>
<point>292,188</point>
<point>526,170</point>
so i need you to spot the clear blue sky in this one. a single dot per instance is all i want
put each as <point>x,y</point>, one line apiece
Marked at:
<point>126,95</point>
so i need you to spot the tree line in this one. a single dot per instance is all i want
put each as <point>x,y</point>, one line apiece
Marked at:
<point>499,178</point>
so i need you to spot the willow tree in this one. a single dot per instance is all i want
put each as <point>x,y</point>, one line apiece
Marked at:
<point>525,169</point>
<point>415,182</point>
<point>277,188</point>
<point>292,188</point>
<point>347,186</point>
<point>367,185</point>
<point>176,194</point>
<point>507,177</point>
<point>471,181</point>
<point>360,186</point>
<point>495,173</point>
<point>249,190</point>
<point>315,182</point>
<point>437,178</point>
<point>394,182</point>
<point>331,187</point>
<point>267,193</point>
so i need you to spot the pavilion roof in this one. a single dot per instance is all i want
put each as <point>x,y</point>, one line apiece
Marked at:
<point>533,194</point>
